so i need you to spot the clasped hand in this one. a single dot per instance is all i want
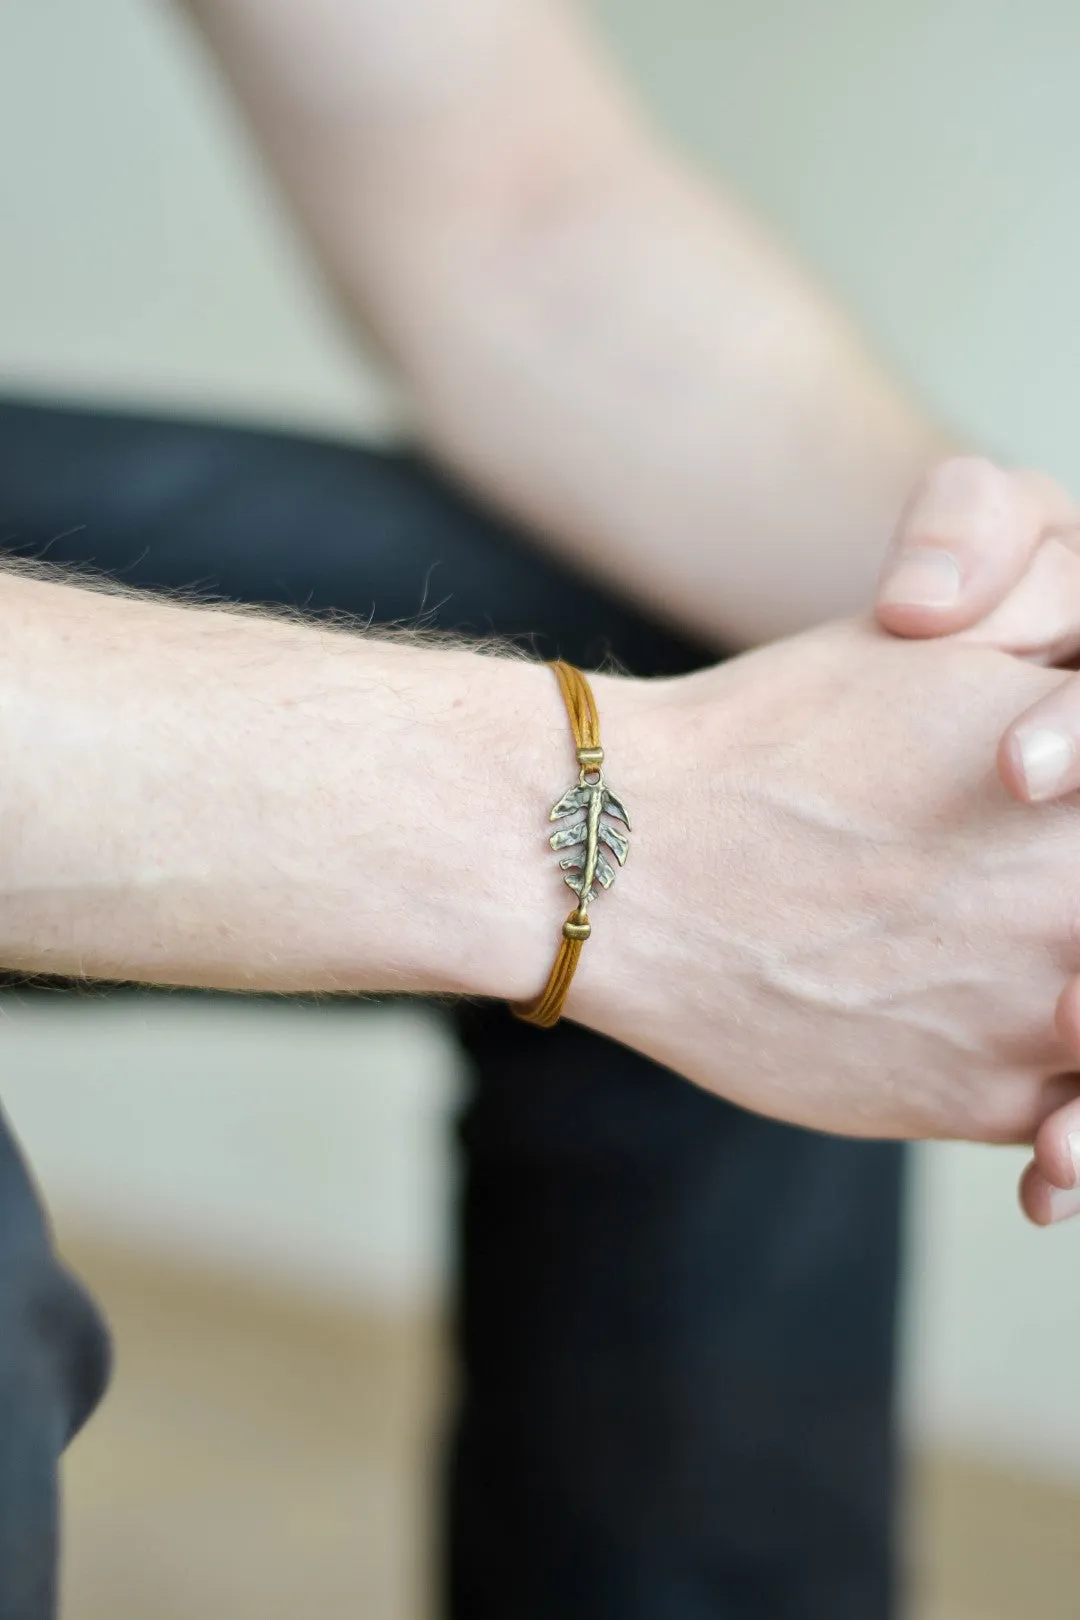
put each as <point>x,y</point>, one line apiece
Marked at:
<point>993,558</point>
<point>844,913</point>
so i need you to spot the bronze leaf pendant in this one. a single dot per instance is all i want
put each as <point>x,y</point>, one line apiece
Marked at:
<point>590,866</point>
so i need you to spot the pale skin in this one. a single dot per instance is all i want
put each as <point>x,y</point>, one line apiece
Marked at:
<point>592,335</point>
<point>993,558</point>
<point>830,913</point>
<point>595,338</point>
<point>603,345</point>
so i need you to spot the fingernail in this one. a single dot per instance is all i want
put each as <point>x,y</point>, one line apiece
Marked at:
<point>1063,1205</point>
<point>922,578</point>
<point>1044,757</point>
<point>1073,1140</point>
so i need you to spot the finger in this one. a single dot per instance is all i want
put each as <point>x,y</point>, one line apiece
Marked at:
<point>1040,618</point>
<point>1013,1113</point>
<point>1043,1203</point>
<point>1039,755</point>
<point>1050,1184</point>
<point>964,541</point>
<point>1057,1148</point>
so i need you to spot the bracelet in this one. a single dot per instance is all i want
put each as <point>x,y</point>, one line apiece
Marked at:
<point>585,868</point>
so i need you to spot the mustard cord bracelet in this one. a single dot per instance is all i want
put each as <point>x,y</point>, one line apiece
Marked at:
<point>583,868</point>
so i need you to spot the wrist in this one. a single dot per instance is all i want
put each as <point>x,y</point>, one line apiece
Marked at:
<point>203,798</point>
<point>664,751</point>
<point>529,900</point>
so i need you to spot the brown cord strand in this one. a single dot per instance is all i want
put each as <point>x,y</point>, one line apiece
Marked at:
<point>580,705</point>
<point>546,1009</point>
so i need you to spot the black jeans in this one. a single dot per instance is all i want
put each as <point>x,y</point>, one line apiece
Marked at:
<point>675,1320</point>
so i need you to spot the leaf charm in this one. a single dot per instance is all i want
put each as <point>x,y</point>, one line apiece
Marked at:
<point>590,866</point>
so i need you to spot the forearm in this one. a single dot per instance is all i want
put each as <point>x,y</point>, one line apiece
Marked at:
<point>653,388</point>
<point>200,797</point>
<point>593,337</point>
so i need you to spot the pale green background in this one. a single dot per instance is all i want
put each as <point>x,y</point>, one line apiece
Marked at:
<point>923,158</point>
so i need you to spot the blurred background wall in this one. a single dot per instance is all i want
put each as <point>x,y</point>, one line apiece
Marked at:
<point>922,155</point>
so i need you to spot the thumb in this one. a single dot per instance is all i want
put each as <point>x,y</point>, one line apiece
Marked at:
<point>965,539</point>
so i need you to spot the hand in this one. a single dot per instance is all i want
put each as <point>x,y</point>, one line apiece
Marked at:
<point>1013,538</point>
<point>994,557</point>
<point>837,916</point>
